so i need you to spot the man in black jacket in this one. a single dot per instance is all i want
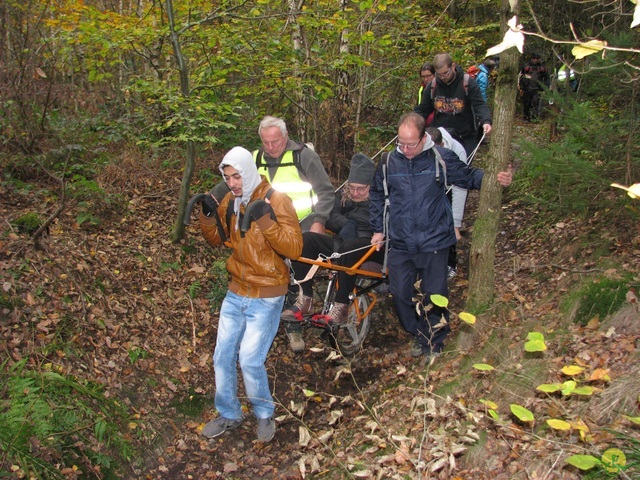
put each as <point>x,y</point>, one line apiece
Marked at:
<point>457,102</point>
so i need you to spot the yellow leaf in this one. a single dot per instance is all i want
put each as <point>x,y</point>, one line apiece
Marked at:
<point>588,48</point>
<point>635,420</point>
<point>558,424</point>
<point>489,403</point>
<point>579,425</point>
<point>600,374</point>
<point>572,370</point>
<point>467,318</point>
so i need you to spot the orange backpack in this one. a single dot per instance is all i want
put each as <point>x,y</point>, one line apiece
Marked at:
<point>473,71</point>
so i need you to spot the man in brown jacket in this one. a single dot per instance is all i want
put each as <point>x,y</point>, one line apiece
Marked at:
<point>262,227</point>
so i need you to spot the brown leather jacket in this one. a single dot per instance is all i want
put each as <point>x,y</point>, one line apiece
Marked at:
<point>256,265</point>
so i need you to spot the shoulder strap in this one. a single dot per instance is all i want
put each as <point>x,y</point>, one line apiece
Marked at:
<point>465,84</point>
<point>384,158</point>
<point>439,163</point>
<point>229,215</point>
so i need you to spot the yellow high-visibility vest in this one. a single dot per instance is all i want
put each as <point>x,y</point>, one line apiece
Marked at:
<point>287,180</point>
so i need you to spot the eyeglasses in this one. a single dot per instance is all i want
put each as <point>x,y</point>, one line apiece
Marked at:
<point>358,189</point>
<point>408,146</point>
<point>445,74</point>
<point>426,75</point>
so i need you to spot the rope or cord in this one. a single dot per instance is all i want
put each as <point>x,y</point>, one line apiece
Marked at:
<point>470,158</point>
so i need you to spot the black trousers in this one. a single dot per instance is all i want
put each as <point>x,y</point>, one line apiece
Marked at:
<point>431,269</point>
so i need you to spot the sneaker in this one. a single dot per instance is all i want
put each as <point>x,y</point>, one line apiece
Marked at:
<point>451,272</point>
<point>296,342</point>
<point>416,348</point>
<point>266,429</point>
<point>338,313</point>
<point>219,426</point>
<point>303,307</point>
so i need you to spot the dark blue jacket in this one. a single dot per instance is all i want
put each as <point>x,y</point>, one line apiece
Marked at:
<point>420,218</point>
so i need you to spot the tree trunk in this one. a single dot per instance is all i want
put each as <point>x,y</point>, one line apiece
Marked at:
<point>482,252</point>
<point>183,69</point>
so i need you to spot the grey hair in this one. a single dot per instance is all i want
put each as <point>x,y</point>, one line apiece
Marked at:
<point>270,121</point>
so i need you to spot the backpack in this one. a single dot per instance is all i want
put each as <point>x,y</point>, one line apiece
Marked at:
<point>473,71</point>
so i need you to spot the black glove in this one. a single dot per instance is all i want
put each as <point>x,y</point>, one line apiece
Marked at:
<point>349,231</point>
<point>209,206</point>
<point>254,211</point>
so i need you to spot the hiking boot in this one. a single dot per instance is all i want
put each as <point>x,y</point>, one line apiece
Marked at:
<point>266,429</point>
<point>219,426</point>
<point>451,272</point>
<point>416,348</point>
<point>338,314</point>
<point>303,307</point>
<point>296,342</point>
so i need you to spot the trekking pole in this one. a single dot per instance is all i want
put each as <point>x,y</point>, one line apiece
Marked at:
<point>385,147</point>
<point>473,154</point>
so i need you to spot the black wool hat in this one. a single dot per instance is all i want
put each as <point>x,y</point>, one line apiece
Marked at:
<point>362,169</point>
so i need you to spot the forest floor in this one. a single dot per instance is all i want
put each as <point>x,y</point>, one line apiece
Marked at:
<point>122,306</point>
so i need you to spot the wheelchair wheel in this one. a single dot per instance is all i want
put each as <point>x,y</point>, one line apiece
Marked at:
<point>350,336</point>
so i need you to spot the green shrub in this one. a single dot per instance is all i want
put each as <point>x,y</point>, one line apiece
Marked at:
<point>28,223</point>
<point>50,422</point>
<point>600,298</point>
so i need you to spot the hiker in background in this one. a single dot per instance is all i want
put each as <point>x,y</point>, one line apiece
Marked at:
<point>457,196</point>
<point>533,79</point>
<point>484,72</point>
<point>262,226</point>
<point>561,78</point>
<point>420,227</point>
<point>427,75</point>
<point>457,102</point>
<point>296,170</point>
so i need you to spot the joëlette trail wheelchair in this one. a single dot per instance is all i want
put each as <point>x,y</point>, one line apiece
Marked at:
<point>371,282</point>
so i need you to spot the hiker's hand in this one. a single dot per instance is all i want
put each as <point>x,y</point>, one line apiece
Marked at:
<point>486,128</point>
<point>259,209</point>
<point>505,178</point>
<point>209,205</point>
<point>377,240</point>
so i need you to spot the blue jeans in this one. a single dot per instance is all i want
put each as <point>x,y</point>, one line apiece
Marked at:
<point>246,331</point>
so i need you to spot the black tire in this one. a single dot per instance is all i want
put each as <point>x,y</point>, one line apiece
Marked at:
<point>350,336</point>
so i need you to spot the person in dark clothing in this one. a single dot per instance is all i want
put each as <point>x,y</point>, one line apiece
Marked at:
<point>349,220</point>
<point>533,79</point>
<point>420,227</point>
<point>457,106</point>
